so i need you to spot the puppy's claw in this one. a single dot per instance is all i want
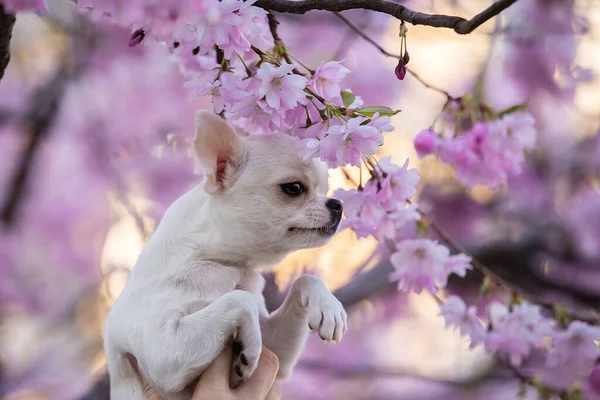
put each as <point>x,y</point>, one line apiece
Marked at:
<point>243,359</point>
<point>238,371</point>
<point>237,347</point>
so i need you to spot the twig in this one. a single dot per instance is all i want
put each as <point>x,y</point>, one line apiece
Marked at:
<point>386,53</point>
<point>458,24</point>
<point>6,25</point>
<point>273,23</point>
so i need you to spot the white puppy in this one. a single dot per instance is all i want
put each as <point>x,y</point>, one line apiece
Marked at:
<point>196,283</point>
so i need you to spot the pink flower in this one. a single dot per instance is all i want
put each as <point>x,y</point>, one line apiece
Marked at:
<point>575,345</point>
<point>381,123</point>
<point>214,22</point>
<point>516,332</point>
<point>207,89</point>
<point>486,154</point>
<point>254,115</point>
<point>326,80</point>
<point>426,142</point>
<point>296,118</point>
<point>233,88</point>
<point>399,185</point>
<point>354,203</point>
<point>12,6</point>
<point>456,314</point>
<point>279,87</point>
<point>255,25</point>
<point>309,143</point>
<point>393,220</point>
<point>423,264</point>
<point>344,144</point>
<point>458,264</point>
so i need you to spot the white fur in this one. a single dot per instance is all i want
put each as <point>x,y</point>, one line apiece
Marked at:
<point>196,283</point>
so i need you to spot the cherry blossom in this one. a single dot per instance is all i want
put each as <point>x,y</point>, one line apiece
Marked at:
<point>424,264</point>
<point>326,80</point>
<point>280,88</point>
<point>13,6</point>
<point>487,153</point>
<point>516,332</point>
<point>457,314</point>
<point>344,144</point>
<point>576,344</point>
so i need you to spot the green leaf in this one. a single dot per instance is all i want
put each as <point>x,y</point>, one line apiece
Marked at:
<point>348,98</point>
<point>370,111</point>
<point>513,109</point>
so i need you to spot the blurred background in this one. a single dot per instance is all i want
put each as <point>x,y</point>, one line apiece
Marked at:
<point>95,144</point>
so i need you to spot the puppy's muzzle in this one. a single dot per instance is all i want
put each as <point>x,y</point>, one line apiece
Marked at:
<point>335,208</point>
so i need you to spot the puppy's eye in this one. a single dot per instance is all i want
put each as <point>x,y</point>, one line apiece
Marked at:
<point>293,189</point>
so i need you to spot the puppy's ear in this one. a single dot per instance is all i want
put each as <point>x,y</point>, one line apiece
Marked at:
<point>219,149</point>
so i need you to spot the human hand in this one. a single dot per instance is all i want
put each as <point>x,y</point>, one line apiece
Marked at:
<point>214,381</point>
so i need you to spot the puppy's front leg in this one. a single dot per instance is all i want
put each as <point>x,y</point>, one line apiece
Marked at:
<point>309,304</point>
<point>199,338</point>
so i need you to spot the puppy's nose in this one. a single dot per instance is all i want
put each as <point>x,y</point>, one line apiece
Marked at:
<point>335,206</point>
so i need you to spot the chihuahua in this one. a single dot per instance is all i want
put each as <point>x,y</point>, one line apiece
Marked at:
<point>196,285</point>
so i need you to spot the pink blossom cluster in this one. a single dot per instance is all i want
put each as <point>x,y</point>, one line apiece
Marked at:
<point>275,99</point>
<point>488,153</point>
<point>516,331</point>
<point>381,208</point>
<point>13,6</point>
<point>232,25</point>
<point>345,143</point>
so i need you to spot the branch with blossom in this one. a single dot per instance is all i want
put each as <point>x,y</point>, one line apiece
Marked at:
<point>458,24</point>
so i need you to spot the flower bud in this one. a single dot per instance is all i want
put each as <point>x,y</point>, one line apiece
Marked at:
<point>405,58</point>
<point>137,37</point>
<point>400,70</point>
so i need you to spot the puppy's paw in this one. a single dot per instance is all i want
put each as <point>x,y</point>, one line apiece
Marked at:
<point>326,315</point>
<point>247,347</point>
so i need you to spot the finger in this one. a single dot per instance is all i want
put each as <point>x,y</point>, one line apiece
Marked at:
<point>274,393</point>
<point>216,376</point>
<point>149,391</point>
<point>259,385</point>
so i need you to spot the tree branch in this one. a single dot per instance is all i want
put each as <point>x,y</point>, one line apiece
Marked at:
<point>39,117</point>
<point>37,122</point>
<point>363,35</point>
<point>458,24</point>
<point>6,25</point>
